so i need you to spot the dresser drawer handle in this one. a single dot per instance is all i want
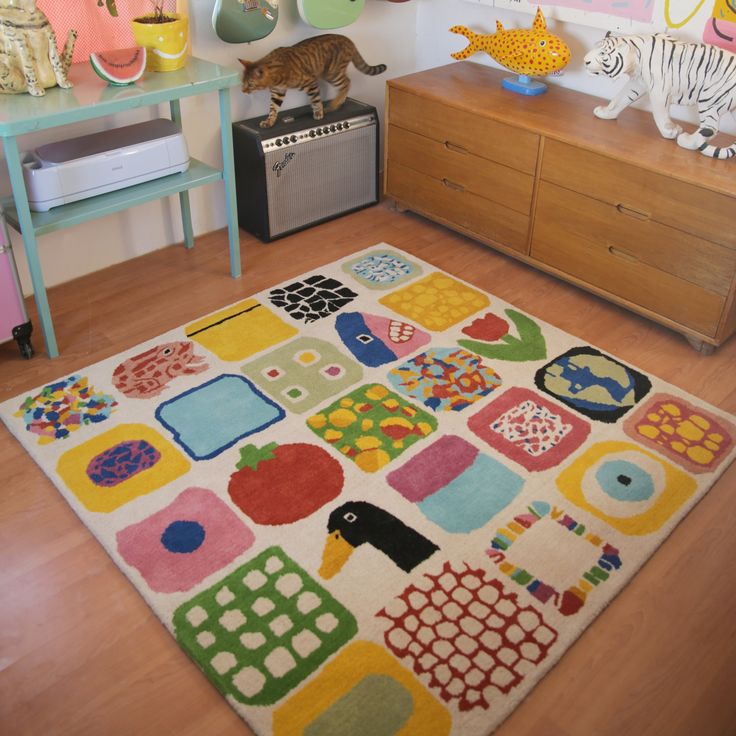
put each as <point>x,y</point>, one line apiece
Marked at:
<point>624,210</point>
<point>622,254</point>
<point>453,185</point>
<point>455,148</point>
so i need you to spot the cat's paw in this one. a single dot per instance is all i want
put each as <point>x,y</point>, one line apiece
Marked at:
<point>691,141</point>
<point>318,114</point>
<point>605,112</point>
<point>267,123</point>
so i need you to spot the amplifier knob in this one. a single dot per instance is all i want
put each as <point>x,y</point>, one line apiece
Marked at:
<point>294,139</point>
<point>312,134</point>
<point>326,129</point>
<point>333,128</point>
<point>347,124</point>
<point>339,126</point>
<point>319,131</point>
<point>278,141</point>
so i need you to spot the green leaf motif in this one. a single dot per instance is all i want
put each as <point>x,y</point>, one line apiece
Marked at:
<point>530,345</point>
<point>251,455</point>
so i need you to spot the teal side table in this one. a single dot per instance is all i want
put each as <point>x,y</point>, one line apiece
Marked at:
<point>91,97</point>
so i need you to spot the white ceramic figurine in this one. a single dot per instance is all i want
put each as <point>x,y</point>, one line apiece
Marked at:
<point>672,72</point>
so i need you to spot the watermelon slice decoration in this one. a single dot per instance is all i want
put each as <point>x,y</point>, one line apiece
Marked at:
<point>119,66</point>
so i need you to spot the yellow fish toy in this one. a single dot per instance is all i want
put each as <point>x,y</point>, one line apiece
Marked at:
<point>530,52</point>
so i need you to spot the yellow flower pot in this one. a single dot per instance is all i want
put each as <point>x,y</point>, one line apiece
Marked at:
<point>166,43</point>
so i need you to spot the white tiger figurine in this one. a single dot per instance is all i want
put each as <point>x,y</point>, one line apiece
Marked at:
<point>673,72</point>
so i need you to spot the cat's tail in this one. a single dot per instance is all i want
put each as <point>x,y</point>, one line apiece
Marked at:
<point>362,66</point>
<point>717,152</point>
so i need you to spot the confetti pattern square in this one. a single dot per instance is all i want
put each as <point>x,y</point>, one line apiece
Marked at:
<point>529,429</point>
<point>445,379</point>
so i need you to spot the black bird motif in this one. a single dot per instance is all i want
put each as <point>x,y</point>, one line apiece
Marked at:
<point>357,522</point>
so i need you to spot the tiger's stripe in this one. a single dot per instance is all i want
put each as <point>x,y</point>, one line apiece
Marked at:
<point>672,72</point>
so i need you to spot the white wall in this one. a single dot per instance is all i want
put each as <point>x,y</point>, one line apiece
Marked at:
<point>406,36</point>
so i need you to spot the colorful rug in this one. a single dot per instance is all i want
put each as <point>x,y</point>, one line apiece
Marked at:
<point>374,499</point>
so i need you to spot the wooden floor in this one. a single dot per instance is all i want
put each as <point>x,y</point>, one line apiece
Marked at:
<point>82,654</point>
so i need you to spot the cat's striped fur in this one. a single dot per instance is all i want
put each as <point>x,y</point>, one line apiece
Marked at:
<point>301,66</point>
<point>673,72</point>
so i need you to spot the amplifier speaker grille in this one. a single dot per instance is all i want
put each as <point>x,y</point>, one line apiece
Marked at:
<point>305,179</point>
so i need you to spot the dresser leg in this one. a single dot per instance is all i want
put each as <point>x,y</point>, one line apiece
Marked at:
<point>702,347</point>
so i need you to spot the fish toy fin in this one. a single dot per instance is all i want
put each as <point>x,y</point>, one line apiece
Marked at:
<point>499,27</point>
<point>472,47</point>
<point>540,24</point>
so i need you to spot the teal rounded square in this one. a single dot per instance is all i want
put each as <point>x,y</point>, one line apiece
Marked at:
<point>209,418</point>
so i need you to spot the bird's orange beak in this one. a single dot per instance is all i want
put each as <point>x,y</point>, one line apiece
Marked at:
<point>335,555</point>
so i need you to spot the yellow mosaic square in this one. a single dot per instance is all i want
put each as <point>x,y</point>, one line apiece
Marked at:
<point>361,692</point>
<point>436,302</point>
<point>241,330</point>
<point>633,490</point>
<point>119,465</point>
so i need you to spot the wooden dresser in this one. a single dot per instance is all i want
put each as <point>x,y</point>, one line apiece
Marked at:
<point>608,205</point>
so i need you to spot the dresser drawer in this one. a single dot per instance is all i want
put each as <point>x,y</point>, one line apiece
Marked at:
<point>650,265</point>
<point>639,193</point>
<point>474,174</point>
<point>462,129</point>
<point>457,208</point>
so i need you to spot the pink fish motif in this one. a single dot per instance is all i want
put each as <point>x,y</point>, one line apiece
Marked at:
<point>533,52</point>
<point>148,374</point>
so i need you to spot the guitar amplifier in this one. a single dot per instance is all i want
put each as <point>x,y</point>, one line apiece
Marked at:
<point>304,171</point>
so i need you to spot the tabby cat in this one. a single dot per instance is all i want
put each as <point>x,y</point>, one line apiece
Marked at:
<point>301,66</point>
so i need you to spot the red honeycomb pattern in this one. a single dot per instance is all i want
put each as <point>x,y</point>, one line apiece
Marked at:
<point>467,633</point>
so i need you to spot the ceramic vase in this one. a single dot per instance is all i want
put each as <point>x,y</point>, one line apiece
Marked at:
<point>166,43</point>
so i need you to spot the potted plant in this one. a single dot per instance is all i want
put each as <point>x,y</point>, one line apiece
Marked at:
<point>164,34</point>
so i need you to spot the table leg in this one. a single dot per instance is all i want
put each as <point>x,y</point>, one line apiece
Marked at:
<point>30,245</point>
<point>186,210</point>
<point>228,176</point>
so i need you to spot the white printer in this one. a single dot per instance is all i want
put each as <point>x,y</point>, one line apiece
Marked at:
<point>66,171</point>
